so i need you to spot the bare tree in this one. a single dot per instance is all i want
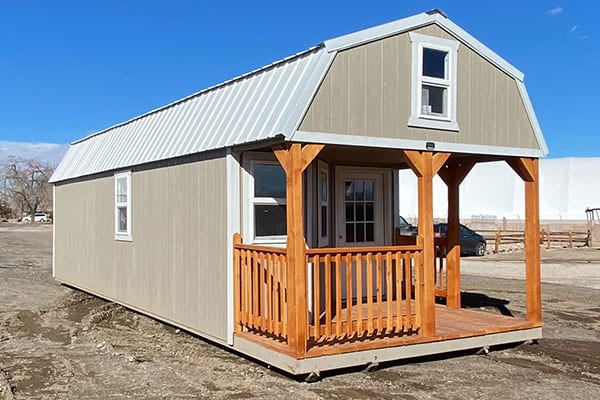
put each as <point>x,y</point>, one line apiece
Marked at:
<point>25,184</point>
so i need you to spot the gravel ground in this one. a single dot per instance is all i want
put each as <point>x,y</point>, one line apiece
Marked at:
<point>56,342</point>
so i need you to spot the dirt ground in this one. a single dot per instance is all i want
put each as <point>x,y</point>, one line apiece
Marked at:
<point>57,342</point>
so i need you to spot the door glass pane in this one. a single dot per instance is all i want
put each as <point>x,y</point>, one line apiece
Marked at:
<point>369,212</point>
<point>360,211</point>
<point>359,190</point>
<point>323,186</point>
<point>369,189</point>
<point>269,220</point>
<point>350,233</point>
<point>349,188</point>
<point>434,63</point>
<point>360,232</point>
<point>349,212</point>
<point>269,181</point>
<point>370,235</point>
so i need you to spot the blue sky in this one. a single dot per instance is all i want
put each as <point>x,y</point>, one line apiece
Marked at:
<point>70,68</point>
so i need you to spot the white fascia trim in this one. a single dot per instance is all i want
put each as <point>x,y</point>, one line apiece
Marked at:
<point>378,32</point>
<point>537,130</point>
<point>408,144</point>
<point>416,21</point>
<point>311,87</point>
<point>233,226</point>
<point>479,47</point>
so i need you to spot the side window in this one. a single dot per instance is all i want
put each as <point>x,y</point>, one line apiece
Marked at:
<point>123,206</point>
<point>433,82</point>
<point>269,201</point>
<point>323,213</point>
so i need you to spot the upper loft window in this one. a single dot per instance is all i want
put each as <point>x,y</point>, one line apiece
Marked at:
<point>123,206</point>
<point>433,82</point>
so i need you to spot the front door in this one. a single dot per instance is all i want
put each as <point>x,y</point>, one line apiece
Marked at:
<point>360,202</point>
<point>359,209</point>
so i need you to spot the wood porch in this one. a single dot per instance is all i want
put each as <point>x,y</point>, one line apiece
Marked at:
<point>306,303</point>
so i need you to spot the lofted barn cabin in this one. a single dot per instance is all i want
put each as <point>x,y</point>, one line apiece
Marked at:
<point>261,213</point>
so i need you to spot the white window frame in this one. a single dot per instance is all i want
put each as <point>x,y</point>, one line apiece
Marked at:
<point>251,159</point>
<point>323,168</point>
<point>123,235</point>
<point>417,117</point>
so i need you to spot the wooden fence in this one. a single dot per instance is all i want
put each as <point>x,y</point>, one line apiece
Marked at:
<point>568,239</point>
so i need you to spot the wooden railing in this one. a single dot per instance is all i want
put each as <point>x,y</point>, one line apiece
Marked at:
<point>260,284</point>
<point>363,292</point>
<point>441,285</point>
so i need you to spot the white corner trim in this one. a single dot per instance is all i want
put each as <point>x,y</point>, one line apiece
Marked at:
<point>409,144</point>
<point>233,226</point>
<point>537,130</point>
<point>53,231</point>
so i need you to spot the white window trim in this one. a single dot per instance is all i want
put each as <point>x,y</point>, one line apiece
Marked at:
<point>417,118</point>
<point>250,160</point>
<point>323,167</point>
<point>123,236</point>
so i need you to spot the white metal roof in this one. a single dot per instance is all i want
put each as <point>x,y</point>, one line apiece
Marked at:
<point>262,104</point>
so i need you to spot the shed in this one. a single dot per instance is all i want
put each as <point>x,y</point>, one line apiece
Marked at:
<point>260,213</point>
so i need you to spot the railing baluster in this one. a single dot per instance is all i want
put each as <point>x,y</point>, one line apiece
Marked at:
<point>316,262</point>
<point>389,291</point>
<point>349,294</point>
<point>338,294</point>
<point>408,287</point>
<point>399,276</point>
<point>328,298</point>
<point>379,292</point>
<point>369,293</point>
<point>359,294</point>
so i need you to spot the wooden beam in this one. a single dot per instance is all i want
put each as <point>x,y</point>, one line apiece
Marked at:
<point>422,164</point>
<point>523,167</point>
<point>453,175</point>
<point>438,160</point>
<point>532,241</point>
<point>294,159</point>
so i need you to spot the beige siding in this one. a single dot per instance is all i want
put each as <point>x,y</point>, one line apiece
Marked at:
<point>176,265</point>
<point>367,92</point>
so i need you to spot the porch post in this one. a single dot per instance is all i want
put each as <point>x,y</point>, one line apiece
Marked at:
<point>453,175</point>
<point>528,170</point>
<point>425,165</point>
<point>294,159</point>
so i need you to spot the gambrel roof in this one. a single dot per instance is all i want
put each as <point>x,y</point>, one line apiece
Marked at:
<point>267,103</point>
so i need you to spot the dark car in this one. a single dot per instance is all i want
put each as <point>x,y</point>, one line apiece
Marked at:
<point>471,242</point>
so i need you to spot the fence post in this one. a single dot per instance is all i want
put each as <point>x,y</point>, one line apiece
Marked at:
<point>570,239</point>
<point>542,235</point>
<point>588,240</point>
<point>548,240</point>
<point>497,242</point>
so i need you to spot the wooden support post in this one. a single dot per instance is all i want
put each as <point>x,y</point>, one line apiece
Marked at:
<point>294,159</point>
<point>453,175</point>
<point>425,165</point>
<point>528,170</point>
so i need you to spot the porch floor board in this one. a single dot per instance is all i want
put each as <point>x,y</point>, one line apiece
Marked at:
<point>451,324</point>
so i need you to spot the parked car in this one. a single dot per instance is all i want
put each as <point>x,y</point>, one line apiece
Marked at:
<point>471,242</point>
<point>406,229</point>
<point>39,217</point>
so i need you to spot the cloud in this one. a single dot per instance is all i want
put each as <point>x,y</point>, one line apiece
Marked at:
<point>49,152</point>
<point>555,11</point>
<point>574,28</point>
<point>584,37</point>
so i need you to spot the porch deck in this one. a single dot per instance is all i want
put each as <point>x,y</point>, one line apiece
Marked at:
<point>451,324</point>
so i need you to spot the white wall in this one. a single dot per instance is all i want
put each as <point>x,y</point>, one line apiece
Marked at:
<point>567,187</point>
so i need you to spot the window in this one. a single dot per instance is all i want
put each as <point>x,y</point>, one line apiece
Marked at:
<point>433,82</point>
<point>323,213</point>
<point>269,200</point>
<point>123,206</point>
